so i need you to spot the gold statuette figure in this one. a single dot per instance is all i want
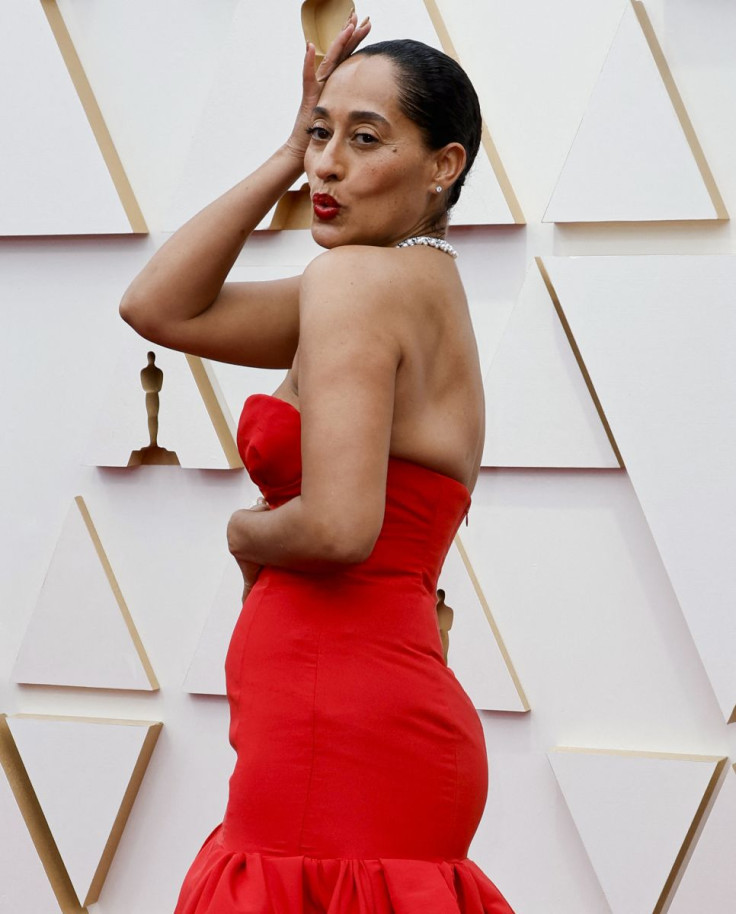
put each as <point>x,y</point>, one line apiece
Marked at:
<point>152,380</point>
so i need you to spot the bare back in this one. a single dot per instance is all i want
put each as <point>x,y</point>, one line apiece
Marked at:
<point>438,414</point>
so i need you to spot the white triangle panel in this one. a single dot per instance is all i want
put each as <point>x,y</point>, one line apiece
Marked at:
<point>185,426</point>
<point>482,201</point>
<point>709,880</point>
<point>206,674</point>
<point>267,39</point>
<point>262,40</point>
<point>539,411</point>
<point>77,635</point>
<point>25,886</point>
<point>54,179</point>
<point>633,812</point>
<point>657,335</point>
<point>631,159</point>
<point>476,655</point>
<point>81,771</point>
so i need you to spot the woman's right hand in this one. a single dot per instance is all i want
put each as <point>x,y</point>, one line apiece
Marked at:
<point>249,570</point>
<point>313,81</point>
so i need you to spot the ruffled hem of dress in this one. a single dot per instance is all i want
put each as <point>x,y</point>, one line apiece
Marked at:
<point>223,881</point>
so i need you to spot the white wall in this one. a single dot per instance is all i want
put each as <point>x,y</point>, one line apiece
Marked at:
<point>565,556</point>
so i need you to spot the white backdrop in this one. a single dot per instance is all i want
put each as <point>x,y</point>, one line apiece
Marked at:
<point>565,555</point>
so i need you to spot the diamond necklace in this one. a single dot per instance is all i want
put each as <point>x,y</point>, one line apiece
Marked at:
<point>430,242</point>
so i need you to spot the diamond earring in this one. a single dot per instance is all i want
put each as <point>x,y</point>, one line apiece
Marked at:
<point>439,188</point>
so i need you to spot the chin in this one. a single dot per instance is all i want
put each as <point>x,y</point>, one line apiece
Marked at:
<point>327,235</point>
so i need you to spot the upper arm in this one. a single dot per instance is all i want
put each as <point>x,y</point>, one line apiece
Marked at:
<point>248,323</point>
<point>348,357</point>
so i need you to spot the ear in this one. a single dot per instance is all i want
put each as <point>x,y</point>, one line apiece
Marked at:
<point>449,164</point>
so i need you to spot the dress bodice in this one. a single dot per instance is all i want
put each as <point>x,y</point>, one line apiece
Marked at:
<point>424,508</point>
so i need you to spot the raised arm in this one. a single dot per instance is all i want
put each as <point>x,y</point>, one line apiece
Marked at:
<point>180,298</point>
<point>349,354</point>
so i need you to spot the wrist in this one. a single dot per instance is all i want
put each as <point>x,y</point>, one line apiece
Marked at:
<point>292,152</point>
<point>237,535</point>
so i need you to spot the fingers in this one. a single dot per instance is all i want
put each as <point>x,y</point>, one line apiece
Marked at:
<point>358,35</point>
<point>308,69</point>
<point>343,45</point>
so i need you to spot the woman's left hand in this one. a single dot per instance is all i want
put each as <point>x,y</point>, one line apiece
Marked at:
<point>250,570</point>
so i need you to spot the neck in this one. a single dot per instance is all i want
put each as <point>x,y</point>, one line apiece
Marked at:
<point>433,225</point>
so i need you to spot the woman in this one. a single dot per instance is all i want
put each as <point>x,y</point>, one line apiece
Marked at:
<point>361,768</point>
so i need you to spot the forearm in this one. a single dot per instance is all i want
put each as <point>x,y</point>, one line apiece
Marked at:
<point>293,536</point>
<point>187,273</point>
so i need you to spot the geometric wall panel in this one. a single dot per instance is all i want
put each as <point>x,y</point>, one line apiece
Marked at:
<point>85,774</point>
<point>206,673</point>
<point>29,888</point>
<point>477,654</point>
<point>709,880</point>
<point>223,151</point>
<point>265,39</point>
<point>635,156</point>
<point>657,335</point>
<point>636,813</point>
<point>81,632</point>
<point>60,173</point>
<point>539,411</point>
<point>487,197</point>
<point>261,39</point>
<point>195,428</point>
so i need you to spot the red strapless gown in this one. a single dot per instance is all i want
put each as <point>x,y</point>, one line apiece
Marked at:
<point>361,770</point>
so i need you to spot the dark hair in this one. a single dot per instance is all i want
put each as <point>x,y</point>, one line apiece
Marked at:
<point>436,93</point>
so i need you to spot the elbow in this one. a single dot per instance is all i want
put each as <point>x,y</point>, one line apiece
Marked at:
<point>130,310</point>
<point>136,313</point>
<point>351,553</point>
<point>346,545</point>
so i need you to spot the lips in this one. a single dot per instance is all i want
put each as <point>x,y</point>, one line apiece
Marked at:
<point>325,206</point>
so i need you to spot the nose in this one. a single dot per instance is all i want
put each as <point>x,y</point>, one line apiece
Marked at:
<point>329,164</point>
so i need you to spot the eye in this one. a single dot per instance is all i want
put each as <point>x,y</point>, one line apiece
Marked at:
<point>318,132</point>
<point>365,139</point>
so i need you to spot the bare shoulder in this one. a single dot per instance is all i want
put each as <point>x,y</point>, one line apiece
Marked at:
<point>365,276</point>
<point>346,313</point>
<point>353,256</point>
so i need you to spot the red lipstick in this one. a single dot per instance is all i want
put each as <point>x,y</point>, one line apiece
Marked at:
<point>325,206</point>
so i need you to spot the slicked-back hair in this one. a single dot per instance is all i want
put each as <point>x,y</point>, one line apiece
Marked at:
<point>437,95</point>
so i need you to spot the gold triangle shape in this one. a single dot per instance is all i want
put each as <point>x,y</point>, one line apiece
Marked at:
<point>94,116</point>
<point>21,673</point>
<point>679,106</point>
<point>117,592</point>
<point>579,358</point>
<point>492,622</point>
<point>219,415</point>
<point>719,763</point>
<point>35,819</point>
<point>487,141</point>
<point>38,828</point>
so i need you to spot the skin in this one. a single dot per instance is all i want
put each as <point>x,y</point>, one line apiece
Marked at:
<point>378,341</point>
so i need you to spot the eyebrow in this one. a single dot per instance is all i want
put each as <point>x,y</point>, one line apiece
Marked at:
<point>355,115</point>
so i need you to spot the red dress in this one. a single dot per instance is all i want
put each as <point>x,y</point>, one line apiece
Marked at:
<point>361,770</point>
